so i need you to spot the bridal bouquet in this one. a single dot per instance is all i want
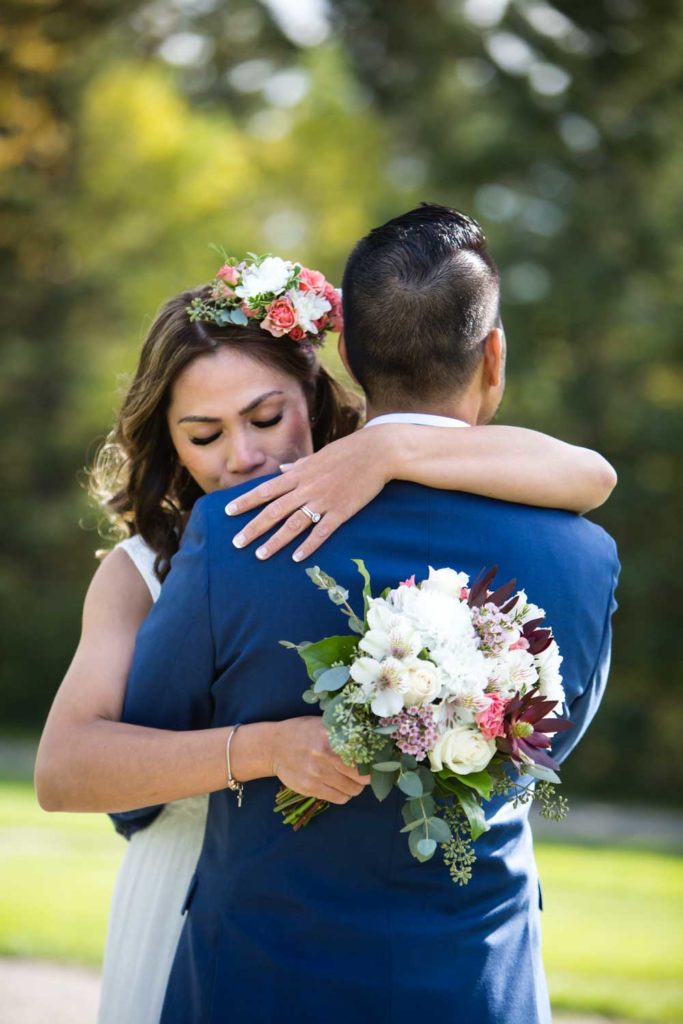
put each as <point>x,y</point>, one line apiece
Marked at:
<point>446,690</point>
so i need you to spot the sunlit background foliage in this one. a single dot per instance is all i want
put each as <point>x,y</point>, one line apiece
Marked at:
<point>136,134</point>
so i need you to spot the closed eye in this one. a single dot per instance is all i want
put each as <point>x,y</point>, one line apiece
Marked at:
<point>262,424</point>
<point>205,440</point>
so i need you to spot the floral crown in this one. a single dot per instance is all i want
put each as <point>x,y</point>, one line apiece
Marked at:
<point>286,299</point>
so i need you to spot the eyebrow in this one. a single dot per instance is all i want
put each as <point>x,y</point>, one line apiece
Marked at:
<point>242,412</point>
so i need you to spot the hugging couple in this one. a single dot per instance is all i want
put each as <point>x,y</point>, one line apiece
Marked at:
<point>179,687</point>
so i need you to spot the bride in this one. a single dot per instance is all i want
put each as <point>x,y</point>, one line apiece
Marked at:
<point>210,406</point>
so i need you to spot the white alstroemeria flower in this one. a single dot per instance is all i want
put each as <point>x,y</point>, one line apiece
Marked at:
<point>381,615</point>
<point>513,671</point>
<point>422,682</point>
<point>463,749</point>
<point>525,611</point>
<point>383,681</point>
<point>271,276</point>
<point>395,639</point>
<point>309,306</point>
<point>550,679</point>
<point>446,581</point>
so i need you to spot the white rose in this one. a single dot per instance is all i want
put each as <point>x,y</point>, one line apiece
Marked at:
<point>422,682</point>
<point>270,276</point>
<point>309,306</point>
<point>463,749</point>
<point>446,581</point>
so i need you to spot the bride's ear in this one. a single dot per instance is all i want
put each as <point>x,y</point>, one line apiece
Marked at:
<point>343,355</point>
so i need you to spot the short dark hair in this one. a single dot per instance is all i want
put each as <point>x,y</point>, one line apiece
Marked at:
<point>420,294</point>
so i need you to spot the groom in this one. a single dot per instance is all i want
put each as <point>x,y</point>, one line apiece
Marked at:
<point>338,922</point>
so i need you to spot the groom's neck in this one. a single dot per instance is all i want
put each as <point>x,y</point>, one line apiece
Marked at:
<point>466,408</point>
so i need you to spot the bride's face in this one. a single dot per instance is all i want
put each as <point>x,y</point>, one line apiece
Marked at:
<point>232,418</point>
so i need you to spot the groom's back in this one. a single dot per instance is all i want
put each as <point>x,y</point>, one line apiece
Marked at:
<point>567,565</point>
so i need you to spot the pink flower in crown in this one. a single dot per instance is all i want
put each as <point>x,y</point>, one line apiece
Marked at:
<point>221,291</point>
<point>335,320</point>
<point>490,721</point>
<point>228,274</point>
<point>248,311</point>
<point>297,333</point>
<point>280,319</point>
<point>312,280</point>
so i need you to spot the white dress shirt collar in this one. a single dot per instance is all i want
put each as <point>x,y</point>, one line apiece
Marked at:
<point>422,418</point>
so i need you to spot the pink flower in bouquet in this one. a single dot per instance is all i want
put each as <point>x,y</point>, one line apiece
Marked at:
<point>416,732</point>
<point>312,281</point>
<point>228,274</point>
<point>281,318</point>
<point>490,721</point>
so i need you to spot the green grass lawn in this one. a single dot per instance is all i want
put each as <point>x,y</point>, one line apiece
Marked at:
<point>612,920</point>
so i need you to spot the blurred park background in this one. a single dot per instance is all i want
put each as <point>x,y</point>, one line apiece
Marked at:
<point>136,134</point>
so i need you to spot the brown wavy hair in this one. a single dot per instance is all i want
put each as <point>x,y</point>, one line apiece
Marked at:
<point>136,478</point>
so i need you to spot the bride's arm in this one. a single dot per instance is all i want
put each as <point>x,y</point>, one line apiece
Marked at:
<point>509,463</point>
<point>90,761</point>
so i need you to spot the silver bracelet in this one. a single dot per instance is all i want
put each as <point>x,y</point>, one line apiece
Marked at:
<point>233,784</point>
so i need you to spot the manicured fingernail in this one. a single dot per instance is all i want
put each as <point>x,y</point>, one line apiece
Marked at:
<point>239,540</point>
<point>231,509</point>
<point>298,556</point>
<point>285,465</point>
<point>262,552</point>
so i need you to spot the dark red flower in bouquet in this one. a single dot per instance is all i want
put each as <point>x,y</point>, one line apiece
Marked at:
<point>526,725</point>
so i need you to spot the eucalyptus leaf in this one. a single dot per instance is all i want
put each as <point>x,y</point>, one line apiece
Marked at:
<point>356,625</point>
<point>382,783</point>
<point>412,824</point>
<point>414,839</point>
<point>411,811</point>
<point>410,783</point>
<point>539,771</point>
<point>328,714</point>
<point>239,317</point>
<point>426,778</point>
<point>409,762</point>
<point>426,848</point>
<point>309,697</point>
<point>332,679</point>
<point>438,829</point>
<point>387,766</point>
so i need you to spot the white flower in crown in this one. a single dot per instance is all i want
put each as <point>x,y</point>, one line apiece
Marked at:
<point>269,277</point>
<point>309,307</point>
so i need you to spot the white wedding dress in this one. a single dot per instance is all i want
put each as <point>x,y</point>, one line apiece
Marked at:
<point>145,919</point>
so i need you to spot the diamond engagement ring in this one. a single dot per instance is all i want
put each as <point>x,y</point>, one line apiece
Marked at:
<point>315,517</point>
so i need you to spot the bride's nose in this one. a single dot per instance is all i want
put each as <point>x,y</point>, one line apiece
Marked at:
<point>245,455</point>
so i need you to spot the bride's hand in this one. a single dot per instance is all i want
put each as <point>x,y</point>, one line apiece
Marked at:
<point>335,482</point>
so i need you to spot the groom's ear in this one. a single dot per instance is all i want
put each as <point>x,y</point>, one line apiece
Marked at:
<point>343,355</point>
<point>494,358</point>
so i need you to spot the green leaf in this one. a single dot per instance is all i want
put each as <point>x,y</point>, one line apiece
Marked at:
<point>328,714</point>
<point>426,778</point>
<point>356,625</point>
<point>239,317</point>
<point>382,783</point>
<point>387,766</point>
<point>412,811</point>
<point>409,762</point>
<point>410,784</point>
<point>427,803</point>
<point>331,679</point>
<point>324,653</point>
<point>438,829</point>
<point>413,824</point>
<point>367,592</point>
<point>539,771</point>
<point>414,839</point>
<point>309,697</point>
<point>471,806</point>
<point>426,848</point>
<point>386,730</point>
<point>479,781</point>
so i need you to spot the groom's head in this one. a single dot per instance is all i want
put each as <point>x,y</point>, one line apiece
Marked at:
<point>421,316</point>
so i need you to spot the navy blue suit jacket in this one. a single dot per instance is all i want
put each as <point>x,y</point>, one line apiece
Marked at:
<point>338,921</point>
